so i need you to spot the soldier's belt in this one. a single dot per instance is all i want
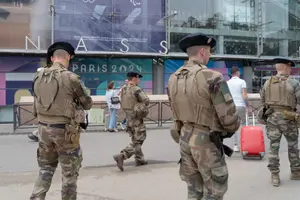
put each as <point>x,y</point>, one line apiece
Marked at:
<point>204,128</point>
<point>290,115</point>
<point>62,126</point>
<point>281,109</point>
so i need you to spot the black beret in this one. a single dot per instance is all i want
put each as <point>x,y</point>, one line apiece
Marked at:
<point>284,61</point>
<point>196,39</point>
<point>60,45</point>
<point>134,74</point>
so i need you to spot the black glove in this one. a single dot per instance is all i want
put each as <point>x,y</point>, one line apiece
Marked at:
<point>227,135</point>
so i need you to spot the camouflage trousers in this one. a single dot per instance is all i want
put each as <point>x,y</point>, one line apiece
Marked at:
<point>276,127</point>
<point>137,131</point>
<point>202,166</point>
<point>54,148</point>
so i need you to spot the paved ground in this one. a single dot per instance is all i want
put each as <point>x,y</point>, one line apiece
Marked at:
<point>8,129</point>
<point>100,179</point>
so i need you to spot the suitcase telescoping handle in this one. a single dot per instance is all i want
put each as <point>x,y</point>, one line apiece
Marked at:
<point>247,119</point>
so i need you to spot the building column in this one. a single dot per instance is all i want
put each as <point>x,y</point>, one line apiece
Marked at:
<point>284,48</point>
<point>144,7</point>
<point>220,44</point>
<point>247,76</point>
<point>39,25</point>
<point>220,38</point>
<point>158,77</point>
<point>284,44</point>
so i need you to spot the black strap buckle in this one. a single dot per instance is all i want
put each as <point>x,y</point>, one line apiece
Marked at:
<point>62,126</point>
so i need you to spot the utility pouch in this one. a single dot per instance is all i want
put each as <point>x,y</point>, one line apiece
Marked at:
<point>73,134</point>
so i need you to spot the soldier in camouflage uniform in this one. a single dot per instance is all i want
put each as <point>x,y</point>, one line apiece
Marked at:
<point>203,109</point>
<point>281,94</point>
<point>59,100</point>
<point>134,102</point>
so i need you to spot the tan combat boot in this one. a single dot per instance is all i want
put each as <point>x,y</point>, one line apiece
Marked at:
<point>275,179</point>
<point>295,176</point>
<point>140,163</point>
<point>120,161</point>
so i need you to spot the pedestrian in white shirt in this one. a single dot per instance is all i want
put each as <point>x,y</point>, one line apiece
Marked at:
<point>238,90</point>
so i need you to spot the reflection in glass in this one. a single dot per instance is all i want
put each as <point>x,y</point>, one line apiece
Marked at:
<point>241,27</point>
<point>112,25</point>
<point>282,36</point>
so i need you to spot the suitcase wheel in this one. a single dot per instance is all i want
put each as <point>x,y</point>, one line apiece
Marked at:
<point>262,154</point>
<point>244,154</point>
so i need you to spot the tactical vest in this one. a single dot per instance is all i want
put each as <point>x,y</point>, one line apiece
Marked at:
<point>53,95</point>
<point>279,92</point>
<point>128,99</point>
<point>187,103</point>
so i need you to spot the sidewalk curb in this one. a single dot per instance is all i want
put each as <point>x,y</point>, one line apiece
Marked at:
<point>91,130</point>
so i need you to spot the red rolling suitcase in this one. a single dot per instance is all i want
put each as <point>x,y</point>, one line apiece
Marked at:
<point>252,140</point>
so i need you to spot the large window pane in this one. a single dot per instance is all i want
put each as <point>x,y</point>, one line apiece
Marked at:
<point>294,27</point>
<point>111,25</point>
<point>231,22</point>
<point>275,20</point>
<point>191,17</point>
<point>22,18</point>
<point>280,28</point>
<point>241,27</point>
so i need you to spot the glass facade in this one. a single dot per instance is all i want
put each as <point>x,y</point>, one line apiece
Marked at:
<point>110,25</point>
<point>241,27</point>
<point>246,31</point>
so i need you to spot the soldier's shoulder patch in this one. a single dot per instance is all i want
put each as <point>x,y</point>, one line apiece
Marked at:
<point>72,75</point>
<point>211,73</point>
<point>214,78</point>
<point>135,88</point>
